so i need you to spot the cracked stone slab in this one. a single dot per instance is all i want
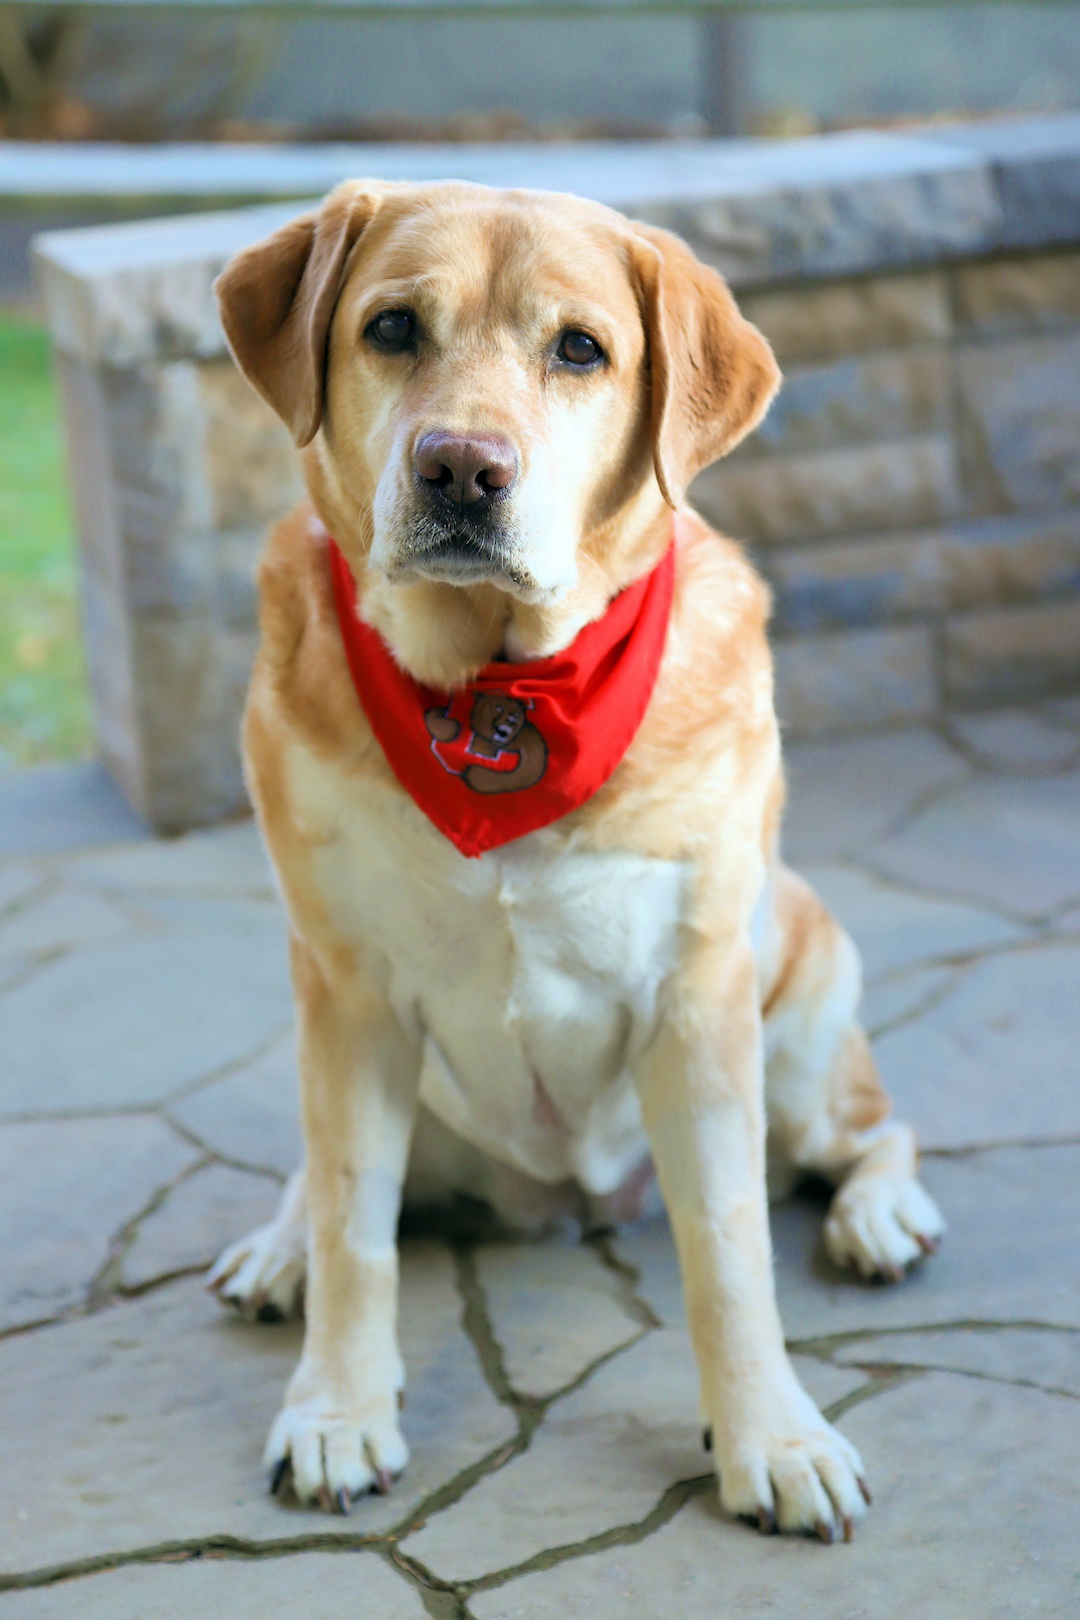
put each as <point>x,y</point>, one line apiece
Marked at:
<point>1050,1360</point>
<point>976,1503</point>
<point>603,1456</point>
<point>18,879</point>
<point>315,1586</point>
<point>47,808</point>
<point>66,1186</point>
<point>62,920</point>
<point>1008,1256</point>
<point>1017,740</point>
<point>554,1306</point>
<point>127,1024</point>
<point>229,859</point>
<point>895,929</point>
<point>892,1000</point>
<point>996,1058</point>
<point>1008,843</point>
<point>252,1114</point>
<point>166,1401</point>
<point>847,794</point>
<point>198,1217</point>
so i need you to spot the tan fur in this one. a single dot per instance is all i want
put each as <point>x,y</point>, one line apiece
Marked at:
<point>692,810</point>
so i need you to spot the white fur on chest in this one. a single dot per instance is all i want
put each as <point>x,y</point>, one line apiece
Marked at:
<point>535,973</point>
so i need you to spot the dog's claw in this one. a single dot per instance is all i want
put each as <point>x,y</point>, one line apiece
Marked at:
<point>825,1532</point>
<point>766,1521</point>
<point>848,1527</point>
<point>892,1274</point>
<point>322,1496</point>
<point>706,1437</point>
<point>277,1474</point>
<point>865,1490</point>
<point>384,1481</point>
<point>344,1501</point>
<point>926,1244</point>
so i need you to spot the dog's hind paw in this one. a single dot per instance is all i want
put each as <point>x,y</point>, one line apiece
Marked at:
<point>882,1225</point>
<point>262,1276</point>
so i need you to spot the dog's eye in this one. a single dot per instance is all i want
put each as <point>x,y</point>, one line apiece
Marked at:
<point>393,330</point>
<point>579,349</point>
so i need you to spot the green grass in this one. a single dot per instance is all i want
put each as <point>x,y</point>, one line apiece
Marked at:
<point>44,711</point>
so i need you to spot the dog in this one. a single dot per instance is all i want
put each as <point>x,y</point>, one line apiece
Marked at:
<point>500,399</point>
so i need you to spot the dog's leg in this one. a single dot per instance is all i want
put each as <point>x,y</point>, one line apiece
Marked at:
<point>827,1109</point>
<point>263,1274</point>
<point>359,1069</point>
<point>701,1084</point>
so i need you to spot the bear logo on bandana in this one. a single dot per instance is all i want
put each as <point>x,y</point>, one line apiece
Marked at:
<point>487,740</point>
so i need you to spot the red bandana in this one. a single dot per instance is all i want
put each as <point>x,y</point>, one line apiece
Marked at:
<point>521,744</point>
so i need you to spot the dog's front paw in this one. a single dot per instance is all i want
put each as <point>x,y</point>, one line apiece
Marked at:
<point>795,1473</point>
<point>881,1225</point>
<point>332,1453</point>
<point>263,1274</point>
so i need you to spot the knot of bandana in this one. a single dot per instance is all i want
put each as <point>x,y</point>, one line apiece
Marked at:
<point>519,745</point>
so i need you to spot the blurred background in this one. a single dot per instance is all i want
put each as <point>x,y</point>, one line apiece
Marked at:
<point>74,77</point>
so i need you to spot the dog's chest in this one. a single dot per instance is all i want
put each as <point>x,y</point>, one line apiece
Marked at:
<point>535,971</point>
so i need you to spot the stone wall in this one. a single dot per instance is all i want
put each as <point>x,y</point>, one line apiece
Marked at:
<point>914,497</point>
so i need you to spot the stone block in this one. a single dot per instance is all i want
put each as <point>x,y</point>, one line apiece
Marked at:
<point>777,499</point>
<point>198,1217</point>
<point>932,1447</point>
<point>846,794</point>
<point>855,400</point>
<point>834,207</point>
<point>193,676</point>
<point>991,561</point>
<point>1001,841</point>
<point>603,1457</point>
<point>1034,293</point>
<point>1016,1355</point>
<point>252,467</point>
<point>962,1073</point>
<point>896,929</point>
<point>1036,168</point>
<point>854,681</point>
<point>1020,742</point>
<point>182,1396</point>
<point>1021,413</point>
<point>228,862</point>
<point>555,1309</point>
<point>120,295</point>
<point>994,1266</point>
<point>189,1002</point>
<point>837,317</point>
<point>1011,653</point>
<point>67,1186</point>
<point>252,1114</point>
<point>53,807</point>
<point>319,1586</point>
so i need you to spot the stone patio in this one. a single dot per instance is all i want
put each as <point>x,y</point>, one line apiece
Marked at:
<point>149,1117</point>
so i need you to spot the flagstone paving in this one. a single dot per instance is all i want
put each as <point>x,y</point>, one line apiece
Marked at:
<point>148,1116</point>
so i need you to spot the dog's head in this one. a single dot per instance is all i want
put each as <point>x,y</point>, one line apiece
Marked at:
<point>490,377</point>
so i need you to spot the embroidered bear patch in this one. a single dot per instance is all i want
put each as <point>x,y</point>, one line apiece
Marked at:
<point>487,740</point>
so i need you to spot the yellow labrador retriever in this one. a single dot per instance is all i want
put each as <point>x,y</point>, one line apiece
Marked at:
<point>501,399</point>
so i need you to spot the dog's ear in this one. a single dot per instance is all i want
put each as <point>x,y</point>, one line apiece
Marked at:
<point>713,374</point>
<point>277,299</point>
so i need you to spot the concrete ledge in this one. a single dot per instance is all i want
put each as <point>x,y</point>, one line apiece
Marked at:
<point>760,210</point>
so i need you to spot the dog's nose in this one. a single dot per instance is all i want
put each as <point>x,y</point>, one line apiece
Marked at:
<point>465,468</point>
